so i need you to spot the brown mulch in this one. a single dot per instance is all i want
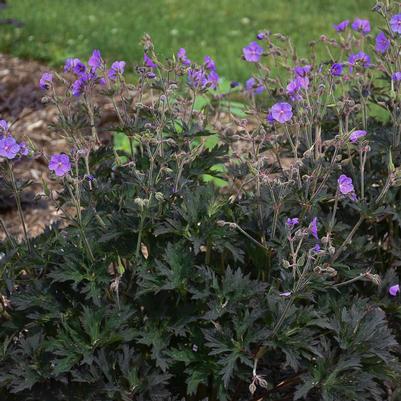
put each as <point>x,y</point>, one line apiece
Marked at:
<point>21,105</point>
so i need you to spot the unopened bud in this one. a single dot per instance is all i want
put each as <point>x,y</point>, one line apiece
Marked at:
<point>159,196</point>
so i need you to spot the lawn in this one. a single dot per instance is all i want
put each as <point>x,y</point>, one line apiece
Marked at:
<point>56,29</point>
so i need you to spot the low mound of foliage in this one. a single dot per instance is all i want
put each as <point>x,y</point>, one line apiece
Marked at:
<point>216,243</point>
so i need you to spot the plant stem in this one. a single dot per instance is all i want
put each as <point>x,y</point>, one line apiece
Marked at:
<point>19,207</point>
<point>348,239</point>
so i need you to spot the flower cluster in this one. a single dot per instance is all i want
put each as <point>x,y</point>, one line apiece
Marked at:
<point>202,77</point>
<point>87,75</point>
<point>9,147</point>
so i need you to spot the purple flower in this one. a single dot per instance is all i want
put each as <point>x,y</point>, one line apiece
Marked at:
<point>336,70</point>
<point>302,71</point>
<point>182,57</point>
<point>60,164</point>
<point>148,61</point>
<point>46,80</point>
<point>281,112</point>
<point>285,294</point>
<point>360,58</point>
<point>293,89</point>
<point>197,78</point>
<point>395,23</point>
<point>117,68</point>
<point>313,228</point>
<point>382,43</point>
<point>291,222</point>
<point>295,86</point>
<point>361,25</point>
<point>234,84</point>
<point>78,86</point>
<point>253,86</point>
<point>394,290</point>
<point>209,63</point>
<point>396,76</point>
<point>3,126</point>
<point>212,80</point>
<point>261,36</point>
<point>23,149</point>
<point>69,64</point>
<point>341,26</point>
<point>95,61</point>
<point>252,52</point>
<point>356,135</point>
<point>9,147</point>
<point>316,248</point>
<point>345,185</point>
<point>270,118</point>
<point>75,65</point>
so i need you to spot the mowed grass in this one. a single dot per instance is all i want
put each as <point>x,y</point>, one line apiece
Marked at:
<point>56,29</point>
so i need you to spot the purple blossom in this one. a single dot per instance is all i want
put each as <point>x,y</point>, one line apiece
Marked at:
<point>116,69</point>
<point>78,86</point>
<point>293,89</point>
<point>212,79</point>
<point>252,52</point>
<point>261,36</point>
<point>69,64</point>
<point>23,149</point>
<point>345,185</point>
<point>361,25</point>
<point>285,294</point>
<point>295,86</point>
<point>75,65</point>
<point>396,76</point>
<point>281,112</point>
<point>9,147</point>
<point>316,248</point>
<point>394,290</point>
<point>148,61</point>
<point>4,126</point>
<point>253,86</point>
<point>197,78</point>
<point>382,43</point>
<point>60,164</point>
<point>336,70</point>
<point>291,222</point>
<point>313,228</point>
<point>182,57</point>
<point>356,135</point>
<point>395,23</point>
<point>270,118</point>
<point>46,80</point>
<point>209,63</point>
<point>302,71</point>
<point>234,84</point>
<point>341,26</point>
<point>360,58</point>
<point>95,61</point>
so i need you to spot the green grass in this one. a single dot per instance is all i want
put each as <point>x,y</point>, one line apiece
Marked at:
<point>57,29</point>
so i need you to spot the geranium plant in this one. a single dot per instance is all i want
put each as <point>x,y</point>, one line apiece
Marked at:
<point>281,282</point>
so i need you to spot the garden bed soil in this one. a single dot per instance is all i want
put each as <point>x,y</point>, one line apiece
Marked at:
<point>21,106</point>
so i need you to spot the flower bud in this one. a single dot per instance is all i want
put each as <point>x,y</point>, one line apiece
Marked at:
<point>159,196</point>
